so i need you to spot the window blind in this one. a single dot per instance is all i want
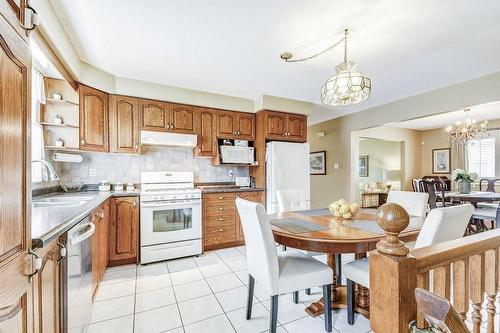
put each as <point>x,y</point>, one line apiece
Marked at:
<point>481,156</point>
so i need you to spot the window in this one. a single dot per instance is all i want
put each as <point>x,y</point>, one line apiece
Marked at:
<point>481,156</point>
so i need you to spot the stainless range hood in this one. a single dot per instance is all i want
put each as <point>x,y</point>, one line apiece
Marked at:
<point>152,138</point>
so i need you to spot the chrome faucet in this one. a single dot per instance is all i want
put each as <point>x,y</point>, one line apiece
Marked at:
<point>52,175</point>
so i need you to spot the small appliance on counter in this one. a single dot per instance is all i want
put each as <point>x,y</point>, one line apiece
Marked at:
<point>104,186</point>
<point>130,187</point>
<point>242,181</point>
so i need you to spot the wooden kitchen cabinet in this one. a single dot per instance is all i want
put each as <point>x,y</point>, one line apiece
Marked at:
<point>182,119</point>
<point>94,119</point>
<point>285,126</point>
<point>123,233</point>
<point>155,115</point>
<point>235,125</point>
<point>124,124</point>
<point>206,130</point>
<point>100,218</point>
<point>221,224</point>
<point>15,110</point>
<point>250,196</point>
<point>46,286</point>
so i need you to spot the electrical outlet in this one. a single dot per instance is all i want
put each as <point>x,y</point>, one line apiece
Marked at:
<point>92,172</point>
<point>231,172</point>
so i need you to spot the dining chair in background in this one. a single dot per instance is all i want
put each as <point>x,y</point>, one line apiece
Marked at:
<point>488,185</point>
<point>441,225</point>
<point>279,273</point>
<point>415,203</point>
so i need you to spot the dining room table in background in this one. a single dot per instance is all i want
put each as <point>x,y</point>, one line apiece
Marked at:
<point>317,230</point>
<point>474,197</point>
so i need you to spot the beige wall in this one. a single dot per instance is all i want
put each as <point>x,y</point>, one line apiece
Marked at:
<point>432,139</point>
<point>337,140</point>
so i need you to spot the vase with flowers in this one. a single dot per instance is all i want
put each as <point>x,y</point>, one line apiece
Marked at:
<point>464,180</point>
<point>343,209</point>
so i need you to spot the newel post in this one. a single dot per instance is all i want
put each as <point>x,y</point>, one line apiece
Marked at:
<point>393,275</point>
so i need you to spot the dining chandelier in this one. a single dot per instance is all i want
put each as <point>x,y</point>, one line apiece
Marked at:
<point>348,86</point>
<point>465,130</point>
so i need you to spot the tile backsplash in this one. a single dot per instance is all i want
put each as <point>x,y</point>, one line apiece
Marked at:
<point>127,168</point>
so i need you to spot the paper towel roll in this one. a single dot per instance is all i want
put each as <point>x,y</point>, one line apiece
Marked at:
<point>72,158</point>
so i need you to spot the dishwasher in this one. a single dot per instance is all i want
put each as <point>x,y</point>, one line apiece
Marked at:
<point>76,275</point>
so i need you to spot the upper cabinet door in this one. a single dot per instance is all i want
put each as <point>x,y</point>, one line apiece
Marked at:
<point>296,128</point>
<point>124,124</point>
<point>182,119</point>
<point>155,115</point>
<point>207,142</point>
<point>15,205</point>
<point>226,124</point>
<point>93,119</point>
<point>246,126</point>
<point>275,125</point>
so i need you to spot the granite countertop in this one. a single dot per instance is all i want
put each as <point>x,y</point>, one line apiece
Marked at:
<point>50,222</point>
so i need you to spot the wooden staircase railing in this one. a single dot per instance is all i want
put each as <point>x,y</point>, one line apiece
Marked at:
<point>464,271</point>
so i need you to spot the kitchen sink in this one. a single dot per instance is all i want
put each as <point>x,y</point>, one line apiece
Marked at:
<point>66,198</point>
<point>72,203</point>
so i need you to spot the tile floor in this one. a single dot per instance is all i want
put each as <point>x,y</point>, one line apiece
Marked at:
<point>200,294</point>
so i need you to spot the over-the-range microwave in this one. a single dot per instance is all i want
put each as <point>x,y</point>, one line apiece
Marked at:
<point>240,155</point>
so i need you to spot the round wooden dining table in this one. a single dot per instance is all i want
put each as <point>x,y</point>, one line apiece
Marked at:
<point>337,238</point>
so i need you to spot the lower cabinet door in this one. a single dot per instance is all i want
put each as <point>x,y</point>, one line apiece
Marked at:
<point>123,233</point>
<point>46,291</point>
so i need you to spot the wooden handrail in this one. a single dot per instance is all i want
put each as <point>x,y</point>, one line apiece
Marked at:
<point>444,253</point>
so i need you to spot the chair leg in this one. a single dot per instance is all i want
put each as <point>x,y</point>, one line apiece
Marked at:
<point>327,301</point>
<point>350,302</point>
<point>274,314</point>
<point>338,267</point>
<point>296,297</point>
<point>251,284</point>
<point>308,291</point>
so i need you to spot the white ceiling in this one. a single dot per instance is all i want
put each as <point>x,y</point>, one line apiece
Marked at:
<point>233,47</point>
<point>482,112</point>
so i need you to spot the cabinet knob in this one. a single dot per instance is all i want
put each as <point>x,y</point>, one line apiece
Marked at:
<point>239,132</point>
<point>220,198</point>
<point>220,208</point>
<point>136,147</point>
<point>101,214</point>
<point>220,230</point>
<point>82,141</point>
<point>62,252</point>
<point>221,219</point>
<point>168,126</point>
<point>134,204</point>
<point>172,126</point>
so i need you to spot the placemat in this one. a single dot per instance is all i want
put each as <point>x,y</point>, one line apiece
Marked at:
<point>372,226</point>
<point>296,226</point>
<point>314,212</point>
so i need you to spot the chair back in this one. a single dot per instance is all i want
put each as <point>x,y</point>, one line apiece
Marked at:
<point>444,224</point>
<point>431,186</point>
<point>415,203</point>
<point>262,259</point>
<point>488,184</point>
<point>416,184</point>
<point>291,200</point>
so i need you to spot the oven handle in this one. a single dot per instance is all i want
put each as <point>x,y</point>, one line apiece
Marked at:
<point>170,204</point>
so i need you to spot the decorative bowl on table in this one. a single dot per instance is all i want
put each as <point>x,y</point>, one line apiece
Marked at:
<point>343,209</point>
<point>72,187</point>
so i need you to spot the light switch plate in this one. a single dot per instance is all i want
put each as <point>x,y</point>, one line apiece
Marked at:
<point>336,166</point>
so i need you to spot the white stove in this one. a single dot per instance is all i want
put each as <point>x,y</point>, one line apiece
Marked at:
<point>170,216</point>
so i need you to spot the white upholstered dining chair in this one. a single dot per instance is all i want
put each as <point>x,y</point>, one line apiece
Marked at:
<point>415,203</point>
<point>279,273</point>
<point>441,225</point>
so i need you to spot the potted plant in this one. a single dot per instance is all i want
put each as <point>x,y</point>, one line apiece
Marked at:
<point>464,180</point>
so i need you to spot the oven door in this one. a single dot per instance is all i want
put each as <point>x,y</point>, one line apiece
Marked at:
<point>170,221</point>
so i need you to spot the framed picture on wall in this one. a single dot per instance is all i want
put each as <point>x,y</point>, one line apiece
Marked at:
<point>364,161</point>
<point>317,162</point>
<point>441,160</point>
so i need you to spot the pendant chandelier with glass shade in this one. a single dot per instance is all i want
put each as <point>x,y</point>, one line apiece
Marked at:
<point>348,86</point>
<point>465,130</point>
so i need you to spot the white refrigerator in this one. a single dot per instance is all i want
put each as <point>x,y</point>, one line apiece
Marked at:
<point>287,168</point>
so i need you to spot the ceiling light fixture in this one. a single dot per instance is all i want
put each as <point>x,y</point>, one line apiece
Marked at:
<point>347,86</point>
<point>465,130</point>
